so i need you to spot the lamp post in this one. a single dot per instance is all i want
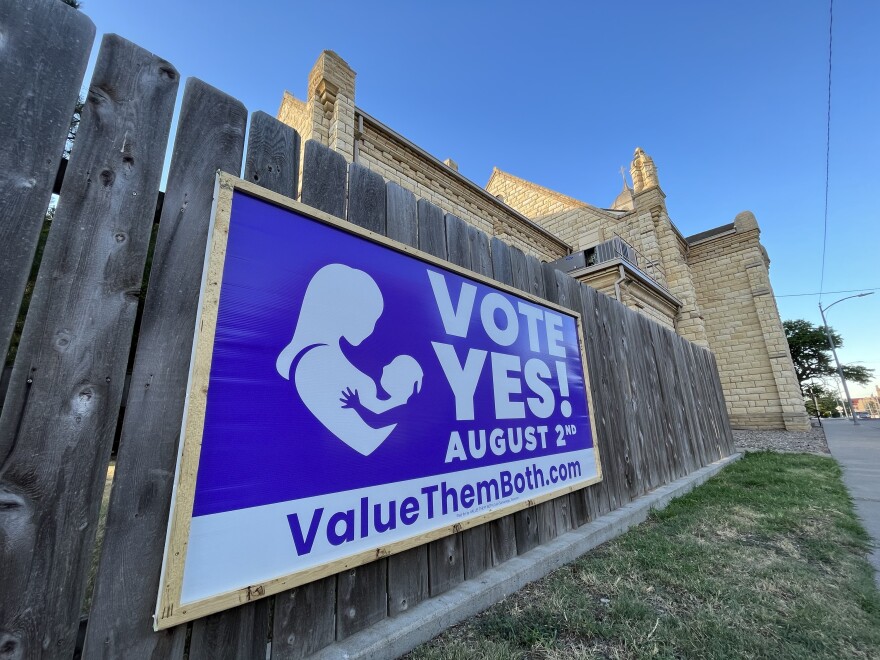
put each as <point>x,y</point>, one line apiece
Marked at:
<point>834,348</point>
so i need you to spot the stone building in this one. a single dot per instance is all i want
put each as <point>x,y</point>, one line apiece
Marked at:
<point>712,288</point>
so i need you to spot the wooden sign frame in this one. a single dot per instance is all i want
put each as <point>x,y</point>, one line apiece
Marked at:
<point>170,610</point>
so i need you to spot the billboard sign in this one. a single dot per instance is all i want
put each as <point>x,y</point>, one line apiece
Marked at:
<point>351,397</point>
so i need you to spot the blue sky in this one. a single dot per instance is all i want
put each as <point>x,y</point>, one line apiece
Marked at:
<point>729,99</point>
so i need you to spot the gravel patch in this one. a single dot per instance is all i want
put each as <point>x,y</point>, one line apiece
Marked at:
<point>811,442</point>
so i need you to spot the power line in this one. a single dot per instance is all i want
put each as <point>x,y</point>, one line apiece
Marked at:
<point>820,293</point>
<point>827,150</point>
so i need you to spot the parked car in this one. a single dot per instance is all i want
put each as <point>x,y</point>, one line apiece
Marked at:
<point>863,415</point>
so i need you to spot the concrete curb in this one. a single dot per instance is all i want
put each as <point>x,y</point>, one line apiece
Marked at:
<point>393,637</point>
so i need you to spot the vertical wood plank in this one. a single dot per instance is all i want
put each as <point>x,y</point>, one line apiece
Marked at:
<point>601,496</point>
<point>210,136</point>
<point>479,551</point>
<point>525,521</point>
<point>294,635</point>
<point>361,597</point>
<point>569,295</point>
<point>362,592</point>
<point>366,199</point>
<point>501,269</point>
<point>457,243</point>
<point>57,426</point>
<point>402,215</point>
<point>324,188</point>
<point>46,47</point>
<point>728,443</point>
<point>407,579</point>
<point>307,630</point>
<point>545,512</point>
<point>445,564</point>
<point>408,570</point>
<point>615,446</point>
<point>447,557</point>
<point>272,159</point>
<point>554,292</point>
<point>672,417</point>
<point>238,633</point>
<point>502,531</point>
<point>432,229</point>
<point>481,258</point>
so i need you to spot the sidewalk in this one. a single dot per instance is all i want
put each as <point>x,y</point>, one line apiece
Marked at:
<point>857,449</point>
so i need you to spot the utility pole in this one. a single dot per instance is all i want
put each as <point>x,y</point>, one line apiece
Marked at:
<point>834,349</point>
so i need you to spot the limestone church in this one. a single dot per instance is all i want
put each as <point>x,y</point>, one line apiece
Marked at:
<point>712,288</point>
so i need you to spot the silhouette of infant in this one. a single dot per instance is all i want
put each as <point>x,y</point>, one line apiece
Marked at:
<point>401,379</point>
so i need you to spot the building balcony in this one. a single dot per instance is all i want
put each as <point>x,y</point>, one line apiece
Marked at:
<point>617,269</point>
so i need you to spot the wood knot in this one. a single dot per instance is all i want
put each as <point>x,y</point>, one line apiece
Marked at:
<point>167,70</point>
<point>63,339</point>
<point>10,647</point>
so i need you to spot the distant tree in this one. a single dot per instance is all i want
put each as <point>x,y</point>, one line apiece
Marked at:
<point>824,397</point>
<point>812,356</point>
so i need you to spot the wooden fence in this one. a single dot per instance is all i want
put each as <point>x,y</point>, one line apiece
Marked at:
<point>660,413</point>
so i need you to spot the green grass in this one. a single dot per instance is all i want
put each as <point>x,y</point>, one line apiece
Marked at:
<point>766,560</point>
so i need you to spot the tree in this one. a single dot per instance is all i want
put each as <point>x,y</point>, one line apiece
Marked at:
<point>827,400</point>
<point>812,356</point>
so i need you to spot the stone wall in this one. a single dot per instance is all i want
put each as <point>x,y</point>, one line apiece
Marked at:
<point>743,327</point>
<point>329,116</point>
<point>398,160</point>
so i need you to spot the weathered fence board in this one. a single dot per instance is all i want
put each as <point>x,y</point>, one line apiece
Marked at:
<point>598,496</point>
<point>502,531</point>
<point>477,541</point>
<point>401,215</point>
<point>323,187</point>
<point>569,296</point>
<point>446,557</point>
<point>210,136</point>
<point>57,427</point>
<point>457,245</point>
<point>525,521</point>
<point>45,50</point>
<point>445,564</point>
<point>366,198</point>
<point>362,592</point>
<point>272,159</point>
<point>408,570</point>
<point>361,597</point>
<point>432,229</point>
<point>239,633</point>
<point>550,515</point>
<point>305,620</point>
<point>326,187</point>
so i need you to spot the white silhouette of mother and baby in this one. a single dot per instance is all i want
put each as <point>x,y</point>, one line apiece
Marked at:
<point>342,302</point>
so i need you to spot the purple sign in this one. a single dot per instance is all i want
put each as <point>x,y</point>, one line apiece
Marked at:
<point>359,396</point>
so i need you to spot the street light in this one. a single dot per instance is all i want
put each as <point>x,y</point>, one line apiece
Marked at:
<point>834,348</point>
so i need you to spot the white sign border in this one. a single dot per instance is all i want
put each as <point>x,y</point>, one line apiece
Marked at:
<point>170,611</point>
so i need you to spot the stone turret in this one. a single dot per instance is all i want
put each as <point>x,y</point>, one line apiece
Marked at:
<point>643,171</point>
<point>327,114</point>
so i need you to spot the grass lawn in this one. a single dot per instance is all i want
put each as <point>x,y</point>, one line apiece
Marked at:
<point>766,560</point>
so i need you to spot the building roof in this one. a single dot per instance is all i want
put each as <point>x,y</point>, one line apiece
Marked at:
<point>711,233</point>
